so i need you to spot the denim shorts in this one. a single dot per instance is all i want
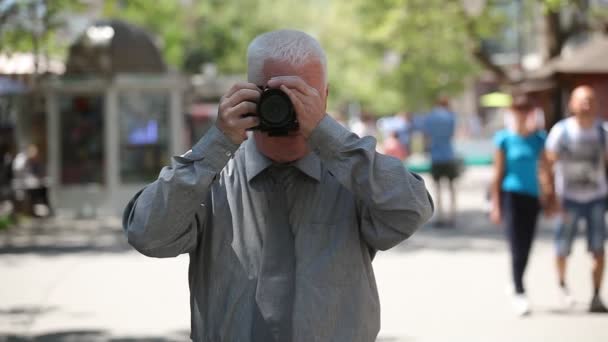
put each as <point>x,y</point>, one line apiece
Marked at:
<point>593,213</point>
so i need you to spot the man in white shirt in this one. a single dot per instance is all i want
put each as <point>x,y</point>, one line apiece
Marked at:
<point>576,147</point>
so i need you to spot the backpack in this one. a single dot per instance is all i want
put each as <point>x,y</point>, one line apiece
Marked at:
<point>601,130</point>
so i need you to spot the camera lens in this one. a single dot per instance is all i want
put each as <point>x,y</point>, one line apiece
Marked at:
<point>275,109</point>
<point>276,112</point>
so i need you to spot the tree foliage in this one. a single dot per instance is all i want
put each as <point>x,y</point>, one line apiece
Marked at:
<point>34,25</point>
<point>388,55</point>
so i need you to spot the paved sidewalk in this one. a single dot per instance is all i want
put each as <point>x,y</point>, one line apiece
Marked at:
<point>67,280</point>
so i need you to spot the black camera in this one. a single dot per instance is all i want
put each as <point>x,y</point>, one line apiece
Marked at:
<point>276,112</point>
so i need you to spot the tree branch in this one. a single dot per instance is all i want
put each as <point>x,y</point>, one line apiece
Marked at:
<point>486,61</point>
<point>6,14</point>
<point>554,34</point>
<point>479,53</point>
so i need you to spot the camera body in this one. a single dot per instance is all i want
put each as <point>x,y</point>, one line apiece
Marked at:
<point>276,112</point>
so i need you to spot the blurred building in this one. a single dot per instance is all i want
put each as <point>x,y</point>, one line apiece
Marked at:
<point>113,119</point>
<point>582,62</point>
<point>117,116</point>
<point>523,51</point>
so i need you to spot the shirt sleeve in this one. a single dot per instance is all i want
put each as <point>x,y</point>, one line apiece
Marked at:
<point>419,123</point>
<point>604,128</point>
<point>500,140</point>
<point>554,137</point>
<point>165,218</point>
<point>393,203</point>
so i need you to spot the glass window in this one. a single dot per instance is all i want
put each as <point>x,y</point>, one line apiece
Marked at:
<point>82,132</point>
<point>143,118</point>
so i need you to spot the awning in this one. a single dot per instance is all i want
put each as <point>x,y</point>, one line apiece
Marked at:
<point>203,110</point>
<point>495,99</point>
<point>586,58</point>
<point>9,86</point>
<point>24,64</point>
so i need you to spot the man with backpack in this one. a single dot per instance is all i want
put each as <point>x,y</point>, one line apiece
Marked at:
<point>577,151</point>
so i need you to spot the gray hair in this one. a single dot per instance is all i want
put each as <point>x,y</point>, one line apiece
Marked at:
<point>294,47</point>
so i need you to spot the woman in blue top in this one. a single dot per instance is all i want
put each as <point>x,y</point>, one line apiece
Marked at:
<point>516,190</point>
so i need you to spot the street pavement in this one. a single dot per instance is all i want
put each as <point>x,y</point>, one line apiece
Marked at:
<point>70,280</point>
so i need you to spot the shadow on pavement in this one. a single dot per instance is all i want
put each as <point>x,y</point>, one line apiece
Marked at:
<point>23,316</point>
<point>393,339</point>
<point>58,236</point>
<point>102,336</point>
<point>472,232</point>
<point>92,336</point>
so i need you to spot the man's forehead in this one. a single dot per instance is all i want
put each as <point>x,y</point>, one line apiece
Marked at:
<point>311,71</point>
<point>583,92</point>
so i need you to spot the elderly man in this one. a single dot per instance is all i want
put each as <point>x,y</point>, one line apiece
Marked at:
<point>577,147</point>
<point>281,230</point>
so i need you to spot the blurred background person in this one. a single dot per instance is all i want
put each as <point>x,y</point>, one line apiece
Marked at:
<point>439,127</point>
<point>534,121</point>
<point>365,125</point>
<point>577,147</point>
<point>7,198</point>
<point>406,129</point>
<point>392,146</point>
<point>30,182</point>
<point>516,190</point>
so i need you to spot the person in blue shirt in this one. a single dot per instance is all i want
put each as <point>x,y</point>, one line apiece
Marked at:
<point>438,127</point>
<point>519,160</point>
<point>405,132</point>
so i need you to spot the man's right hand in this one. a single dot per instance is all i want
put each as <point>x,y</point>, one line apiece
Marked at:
<point>240,100</point>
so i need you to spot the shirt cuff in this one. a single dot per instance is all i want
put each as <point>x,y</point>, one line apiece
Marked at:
<point>327,138</point>
<point>214,147</point>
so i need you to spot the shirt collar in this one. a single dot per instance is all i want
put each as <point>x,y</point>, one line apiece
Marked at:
<point>256,162</point>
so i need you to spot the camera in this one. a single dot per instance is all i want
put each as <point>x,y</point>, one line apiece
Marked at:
<point>276,112</point>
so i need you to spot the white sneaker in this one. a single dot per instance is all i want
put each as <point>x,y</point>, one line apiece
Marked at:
<point>520,304</point>
<point>566,300</point>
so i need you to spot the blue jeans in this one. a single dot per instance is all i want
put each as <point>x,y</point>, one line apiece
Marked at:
<point>593,214</point>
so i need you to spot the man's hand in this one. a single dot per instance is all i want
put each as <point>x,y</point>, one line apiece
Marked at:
<point>308,103</point>
<point>240,100</point>
<point>550,205</point>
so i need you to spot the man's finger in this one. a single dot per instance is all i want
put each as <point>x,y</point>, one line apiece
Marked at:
<point>242,95</point>
<point>247,122</point>
<point>241,109</point>
<point>241,85</point>
<point>292,96</point>
<point>292,82</point>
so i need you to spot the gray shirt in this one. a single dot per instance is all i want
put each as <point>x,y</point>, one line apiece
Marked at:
<point>344,202</point>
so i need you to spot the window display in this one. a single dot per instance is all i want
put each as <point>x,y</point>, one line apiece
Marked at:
<point>82,132</point>
<point>144,146</point>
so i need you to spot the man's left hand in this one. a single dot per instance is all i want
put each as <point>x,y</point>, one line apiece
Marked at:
<point>308,103</point>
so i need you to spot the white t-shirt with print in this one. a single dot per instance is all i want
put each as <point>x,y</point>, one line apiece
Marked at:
<point>579,170</point>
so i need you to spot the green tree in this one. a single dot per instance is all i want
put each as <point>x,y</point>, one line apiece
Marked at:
<point>34,25</point>
<point>387,55</point>
<point>196,32</point>
<point>410,51</point>
<point>167,20</point>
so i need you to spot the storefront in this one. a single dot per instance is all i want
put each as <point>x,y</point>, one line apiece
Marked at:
<point>107,138</point>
